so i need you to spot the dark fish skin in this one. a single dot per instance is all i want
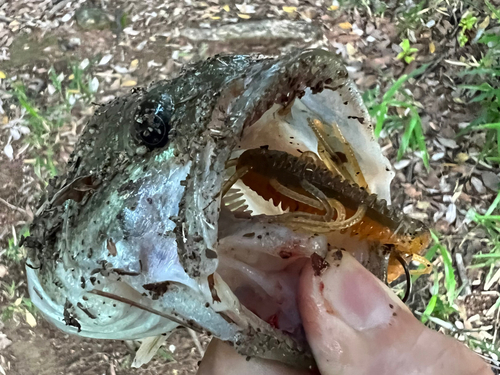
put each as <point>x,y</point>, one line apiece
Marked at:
<point>132,145</point>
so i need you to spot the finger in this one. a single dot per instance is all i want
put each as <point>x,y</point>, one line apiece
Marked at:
<point>356,325</point>
<point>221,359</point>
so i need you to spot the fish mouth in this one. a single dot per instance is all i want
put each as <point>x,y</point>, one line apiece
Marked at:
<point>304,103</point>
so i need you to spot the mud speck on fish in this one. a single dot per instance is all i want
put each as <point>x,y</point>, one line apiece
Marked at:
<point>319,264</point>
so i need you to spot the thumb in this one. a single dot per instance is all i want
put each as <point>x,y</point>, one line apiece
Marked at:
<point>356,325</point>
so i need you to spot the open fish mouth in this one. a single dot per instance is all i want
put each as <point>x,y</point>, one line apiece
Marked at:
<point>198,201</point>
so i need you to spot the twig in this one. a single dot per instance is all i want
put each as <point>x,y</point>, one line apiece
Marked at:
<point>196,341</point>
<point>463,274</point>
<point>12,207</point>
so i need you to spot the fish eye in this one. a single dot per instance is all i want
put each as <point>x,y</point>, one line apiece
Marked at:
<point>152,121</point>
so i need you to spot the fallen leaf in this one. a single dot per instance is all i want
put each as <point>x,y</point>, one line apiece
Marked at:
<point>485,23</point>
<point>105,59</point>
<point>461,158</point>
<point>84,64</point>
<point>351,50</point>
<point>244,16</point>
<point>345,25</point>
<point>94,84</point>
<point>448,143</point>
<point>9,151</point>
<point>226,8</point>
<point>423,205</point>
<point>432,47</point>
<point>4,341</point>
<point>66,17</point>
<point>412,192</point>
<point>491,180</point>
<point>133,64</point>
<point>245,8</point>
<point>401,164</point>
<point>2,75</point>
<point>30,319</point>
<point>451,213</point>
<point>3,271</point>
<point>333,7</point>
<point>131,31</point>
<point>289,9</point>
<point>478,185</point>
<point>129,83</point>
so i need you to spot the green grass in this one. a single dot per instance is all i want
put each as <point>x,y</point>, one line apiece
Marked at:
<point>490,221</point>
<point>444,291</point>
<point>45,120</point>
<point>16,305</point>
<point>78,87</point>
<point>383,110</point>
<point>411,19</point>
<point>13,252</point>
<point>484,86</point>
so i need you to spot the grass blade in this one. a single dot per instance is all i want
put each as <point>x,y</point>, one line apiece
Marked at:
<point>449,273</point>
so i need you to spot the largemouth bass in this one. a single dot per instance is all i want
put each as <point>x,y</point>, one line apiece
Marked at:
<point>156,223</point>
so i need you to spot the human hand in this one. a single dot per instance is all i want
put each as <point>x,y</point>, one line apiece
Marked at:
<point>356,325</point>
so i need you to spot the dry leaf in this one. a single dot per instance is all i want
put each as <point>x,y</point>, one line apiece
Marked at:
<point>245,8</point>
<point>4,341</point>
<point>30,319</point>
<point>2,75</point>
<point>485,23</point>
<point>131,31</point>
<point>333,7</point>
<point>351,50</point>
<point>432,47</point>
<point>129,83</point>
<point>226,8</point>
<point>461,158</point>
<point>244,16</point>
<point>289,9</point>
<point>345,26</point>
<point>9,151</point>
<point>3,271</point>
<point>133,64</point>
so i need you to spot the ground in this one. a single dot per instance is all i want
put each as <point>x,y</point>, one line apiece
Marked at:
<point>58,57</point>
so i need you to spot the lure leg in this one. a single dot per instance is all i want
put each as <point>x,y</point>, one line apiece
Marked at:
<point>235,177</point>
<point>407,275</point>
<point>294,195</point>
<point>351,158</point>
<point>423,261</point>
<point>328,156</point>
